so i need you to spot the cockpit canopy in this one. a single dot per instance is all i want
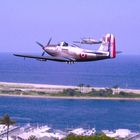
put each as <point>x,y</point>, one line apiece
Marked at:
<point>65,44</point>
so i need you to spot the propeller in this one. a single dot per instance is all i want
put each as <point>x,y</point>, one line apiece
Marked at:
<point>43,53</point>
<point>40,45</point>
<point>43,47</point>
<point>49,42</point>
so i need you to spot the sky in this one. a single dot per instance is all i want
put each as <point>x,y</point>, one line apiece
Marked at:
<point>22,22</point>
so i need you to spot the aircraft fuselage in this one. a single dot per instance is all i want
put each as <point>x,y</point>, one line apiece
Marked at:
<point>74,53</point>
<point>63,52</point>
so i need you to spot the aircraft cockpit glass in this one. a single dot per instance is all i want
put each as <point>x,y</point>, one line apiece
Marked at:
<point>65,44</point>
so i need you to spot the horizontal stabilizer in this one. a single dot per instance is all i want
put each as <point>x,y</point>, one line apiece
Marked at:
<point>118,52</point>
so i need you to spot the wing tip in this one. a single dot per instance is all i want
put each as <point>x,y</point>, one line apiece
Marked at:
<point>16,54</point>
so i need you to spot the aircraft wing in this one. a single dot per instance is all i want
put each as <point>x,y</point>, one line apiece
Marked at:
<point>45,58</point>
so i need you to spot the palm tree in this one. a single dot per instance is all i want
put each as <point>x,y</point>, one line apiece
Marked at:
<point>81,87</point>
<point>32,137</point>
<point>6,120</point>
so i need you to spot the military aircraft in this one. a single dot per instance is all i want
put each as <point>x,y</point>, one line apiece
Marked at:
<point>89,41</point>
<point>63,52</point>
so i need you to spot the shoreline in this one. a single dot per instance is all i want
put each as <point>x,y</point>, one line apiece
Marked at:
<point>71,98</point>
<point>55,89</point>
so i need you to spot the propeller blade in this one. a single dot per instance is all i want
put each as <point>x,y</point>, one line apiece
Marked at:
<point>49,41</point>
<point>43,53</point>
<point>40,45</point>
<point>43,47</point>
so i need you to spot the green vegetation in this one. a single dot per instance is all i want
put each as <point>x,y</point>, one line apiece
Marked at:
<point>32,137</point>
<point>82,91</point>
<point>20,92</point>
<point>96,137</point>
<point>6,120</point>
<point>68,92</point>
<point>108,92</point>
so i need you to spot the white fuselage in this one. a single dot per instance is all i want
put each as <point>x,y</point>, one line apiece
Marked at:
<point>63,52</point>
<point>73,52</point>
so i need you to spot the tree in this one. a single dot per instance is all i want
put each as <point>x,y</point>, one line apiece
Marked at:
<point>69,92</point>
<point>81,87</point>
<point>6,120</point>
<point>95,137</point>
<point>116,86</point>
<point>32,137</point>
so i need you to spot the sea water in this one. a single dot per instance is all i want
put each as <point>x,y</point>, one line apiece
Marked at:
<point>123,71</point>
<point>70,113</point>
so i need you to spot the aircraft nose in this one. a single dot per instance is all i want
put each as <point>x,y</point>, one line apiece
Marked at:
<point>50,49</point>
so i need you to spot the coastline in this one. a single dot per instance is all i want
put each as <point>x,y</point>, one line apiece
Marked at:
<point>57,88</point>
<point>70,97</point>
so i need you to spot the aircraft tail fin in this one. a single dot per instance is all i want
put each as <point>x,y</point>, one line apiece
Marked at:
<point>108,45</point>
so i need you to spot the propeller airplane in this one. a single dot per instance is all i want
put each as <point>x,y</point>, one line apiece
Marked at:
<point>63,52</point>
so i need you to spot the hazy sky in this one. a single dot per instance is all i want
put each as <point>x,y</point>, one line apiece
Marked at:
<point>22,22</point>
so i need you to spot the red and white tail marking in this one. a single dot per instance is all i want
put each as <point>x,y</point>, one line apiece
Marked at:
<point>109,45</point>
<point>112,47</point>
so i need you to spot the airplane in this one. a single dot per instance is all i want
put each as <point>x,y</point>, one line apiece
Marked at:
<point>89,41</point>
<point>63,52</point>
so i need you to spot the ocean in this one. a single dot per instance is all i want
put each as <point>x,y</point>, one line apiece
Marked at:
<point>123,71</point>
<point>70,113</point>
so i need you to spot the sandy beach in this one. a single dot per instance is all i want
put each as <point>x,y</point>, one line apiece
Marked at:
<point>5,86</point>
